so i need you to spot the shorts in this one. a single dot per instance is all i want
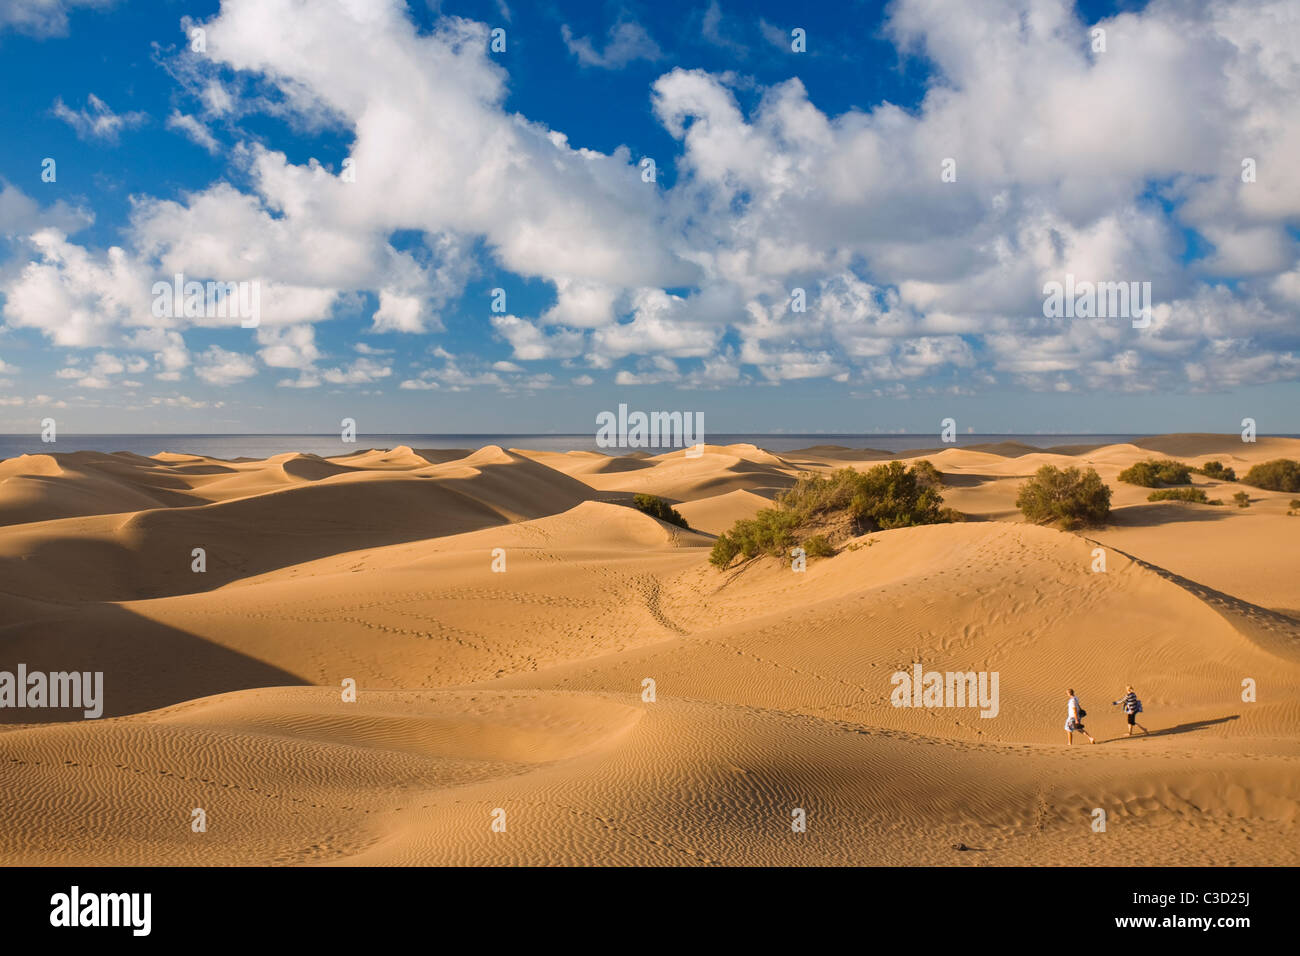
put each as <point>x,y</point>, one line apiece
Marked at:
<point>1132,719</point>
<point>1074,726</point>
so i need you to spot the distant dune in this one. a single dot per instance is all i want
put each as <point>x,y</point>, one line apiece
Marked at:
<point>505,613</point>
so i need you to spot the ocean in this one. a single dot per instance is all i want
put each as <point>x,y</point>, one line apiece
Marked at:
<point>263,446</point>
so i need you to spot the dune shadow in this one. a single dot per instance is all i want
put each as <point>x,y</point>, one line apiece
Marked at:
<point>624,463</point>
<point>1228,605</point>
<point>1072,450</point>
<point>1207,444</point>
<point>440,456</point>
<point>836,452</point>
<point>152,558</point>
<point>204,470</point>
<point>953,480</point>
<point>146,664</point>
<point>746,467</point>
<point>149,554</point>
<point>1004,449</point>
<point>1168,512</point>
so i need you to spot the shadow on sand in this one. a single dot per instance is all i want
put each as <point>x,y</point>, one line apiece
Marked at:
<point>1187,728</point>
<point>146,664</point>
<point>1169,512</point>
<point>1229,606</point>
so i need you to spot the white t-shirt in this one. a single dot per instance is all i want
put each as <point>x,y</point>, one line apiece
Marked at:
<point>1072,712</point>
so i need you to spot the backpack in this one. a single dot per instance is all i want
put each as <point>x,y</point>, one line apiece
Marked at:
<point>1137,709</point>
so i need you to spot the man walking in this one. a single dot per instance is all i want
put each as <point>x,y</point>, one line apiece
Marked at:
<point>1074,715</point>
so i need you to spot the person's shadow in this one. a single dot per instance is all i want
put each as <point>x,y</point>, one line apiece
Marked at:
<point>1180,728</point>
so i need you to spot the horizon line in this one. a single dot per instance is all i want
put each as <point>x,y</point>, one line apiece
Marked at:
<point>781,434</point>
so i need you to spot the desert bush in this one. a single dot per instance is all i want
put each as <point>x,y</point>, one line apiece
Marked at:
<point>845,504</point>
<point>1280,474</point>
<point>656,507</point>
<point>814,495</point>
<point>927,475</point>
<point>886,496</point>
<point>818,547</point>
<point>1216,470</point>
<point>1182,494</point>
<point>1070,496</point>
<point>724,550</point>
<point>1242,499</point>
<point>894,496</point>
<point>771,531</point>
<point>1155,472</point>
<point>1295,503</point>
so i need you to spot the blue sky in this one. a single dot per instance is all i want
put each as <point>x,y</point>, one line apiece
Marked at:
<point>775,170</point>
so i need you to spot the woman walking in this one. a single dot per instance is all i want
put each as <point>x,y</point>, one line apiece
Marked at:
<point>1132,707</point>
<point>1074,715</point>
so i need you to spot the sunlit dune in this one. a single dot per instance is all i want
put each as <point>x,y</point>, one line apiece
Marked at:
<point>526,646</point>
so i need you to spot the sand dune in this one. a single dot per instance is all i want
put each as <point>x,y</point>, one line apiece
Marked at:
<point>716,514</point>
<point>41,487</point>
<point>500,612</point>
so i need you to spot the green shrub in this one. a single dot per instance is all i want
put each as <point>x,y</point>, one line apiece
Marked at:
<point>886,496</point>
<point>771,531</point>
<point>1242,499</point>
<point>1280,474</point>
<point>1154,472</point>
<point>1181,494</point>
<point>818,547</point>
<point>724,550</point>
<point>843,505</point>
<point>814,495</point>
<point>927,475</point>
<point>656,507</point>
<point>1216,470</point>
<point>1070,496</point>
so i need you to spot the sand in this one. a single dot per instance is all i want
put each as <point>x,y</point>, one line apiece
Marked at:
<point>501,712</point>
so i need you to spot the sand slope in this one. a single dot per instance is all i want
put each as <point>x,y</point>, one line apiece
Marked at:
<point>501,612</point>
